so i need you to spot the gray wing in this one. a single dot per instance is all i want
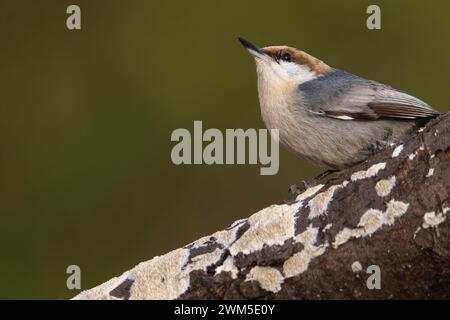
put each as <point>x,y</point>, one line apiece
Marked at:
<point>345,96</point>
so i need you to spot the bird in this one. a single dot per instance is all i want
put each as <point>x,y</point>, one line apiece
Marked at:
<point>329,117</point>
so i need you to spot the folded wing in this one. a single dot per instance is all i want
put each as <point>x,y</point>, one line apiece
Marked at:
<point>348,97</point>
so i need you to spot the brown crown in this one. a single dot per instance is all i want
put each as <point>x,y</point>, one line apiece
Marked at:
<point>299,57</point>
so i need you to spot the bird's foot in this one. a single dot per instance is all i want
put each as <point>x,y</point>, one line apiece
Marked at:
<point>295,190</point>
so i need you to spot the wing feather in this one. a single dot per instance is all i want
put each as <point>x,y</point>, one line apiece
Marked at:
<point>348,97</point>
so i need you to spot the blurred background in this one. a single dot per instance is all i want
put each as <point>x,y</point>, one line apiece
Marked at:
<point>86,116</point>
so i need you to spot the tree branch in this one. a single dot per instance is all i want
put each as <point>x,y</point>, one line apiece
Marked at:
<point>391,212</point>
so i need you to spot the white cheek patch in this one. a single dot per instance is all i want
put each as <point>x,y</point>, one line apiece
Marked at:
<point>293,71</point>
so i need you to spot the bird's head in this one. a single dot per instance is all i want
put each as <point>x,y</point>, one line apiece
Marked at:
<point>285,64</point>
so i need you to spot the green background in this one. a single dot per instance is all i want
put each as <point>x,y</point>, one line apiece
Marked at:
<point>86,117</point>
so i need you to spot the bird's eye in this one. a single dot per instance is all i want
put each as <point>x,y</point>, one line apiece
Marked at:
<point>285,57</point>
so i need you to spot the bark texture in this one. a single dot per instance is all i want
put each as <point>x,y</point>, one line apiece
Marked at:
<point>383,222</point>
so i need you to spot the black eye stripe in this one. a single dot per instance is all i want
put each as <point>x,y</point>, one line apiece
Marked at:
<point>285,56</point>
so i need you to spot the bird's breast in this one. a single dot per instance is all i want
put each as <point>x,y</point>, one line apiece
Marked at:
<point>300,132</point>
<point>276,99</point>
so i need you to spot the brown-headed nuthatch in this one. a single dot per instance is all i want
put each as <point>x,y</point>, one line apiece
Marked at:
<point>330,117</point>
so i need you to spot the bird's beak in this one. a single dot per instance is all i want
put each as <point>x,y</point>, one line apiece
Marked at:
<point>254,50</point>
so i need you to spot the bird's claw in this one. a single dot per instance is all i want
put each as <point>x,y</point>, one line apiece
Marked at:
<point>295,190</point>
